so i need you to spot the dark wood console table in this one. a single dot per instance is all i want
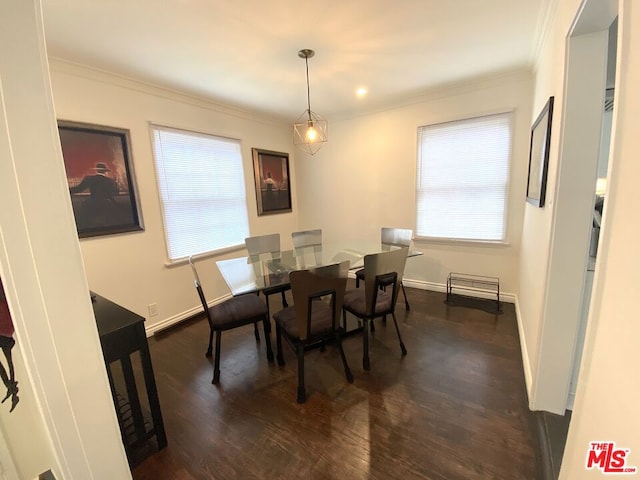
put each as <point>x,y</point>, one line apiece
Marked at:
<point>122,334</point>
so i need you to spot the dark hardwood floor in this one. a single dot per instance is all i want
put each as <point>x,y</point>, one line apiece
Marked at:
<point>454,408</point>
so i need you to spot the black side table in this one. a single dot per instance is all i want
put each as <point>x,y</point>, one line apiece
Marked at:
<point>122,334</point>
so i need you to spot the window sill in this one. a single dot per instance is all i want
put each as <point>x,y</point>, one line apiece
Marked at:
<point>201,256</point>
<point>462,243</point>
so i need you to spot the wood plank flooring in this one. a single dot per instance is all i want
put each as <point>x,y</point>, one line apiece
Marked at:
<point>454,408</point>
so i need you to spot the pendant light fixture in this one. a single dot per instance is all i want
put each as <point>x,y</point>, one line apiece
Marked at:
<point>310,130</point>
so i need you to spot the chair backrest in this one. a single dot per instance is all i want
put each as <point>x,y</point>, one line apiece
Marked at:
<point>310,285</point>
<point>376,266</point>
<point>396,236</point>
<point>261,244</point>
<point>196,282</point>
<point>307,238</point>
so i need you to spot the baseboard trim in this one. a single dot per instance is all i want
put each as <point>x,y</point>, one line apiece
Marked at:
<point>151,330</point>
<point>526,364</point>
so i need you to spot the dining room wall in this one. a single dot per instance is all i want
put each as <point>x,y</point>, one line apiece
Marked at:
<point>366,176</point>
<point>132,268</point>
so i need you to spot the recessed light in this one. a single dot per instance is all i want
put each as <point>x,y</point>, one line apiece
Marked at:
<point>361,91</point>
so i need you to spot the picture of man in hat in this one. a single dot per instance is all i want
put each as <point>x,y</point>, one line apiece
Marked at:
<point>96,209</point>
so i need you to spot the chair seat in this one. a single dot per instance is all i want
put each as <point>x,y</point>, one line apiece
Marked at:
<point>321,320</point>
<point>355,301</point>
<point>237,311</point>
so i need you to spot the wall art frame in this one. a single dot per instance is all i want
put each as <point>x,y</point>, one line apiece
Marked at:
<point>539,156</point>
<point>101,180</point>
<point>272,179</point>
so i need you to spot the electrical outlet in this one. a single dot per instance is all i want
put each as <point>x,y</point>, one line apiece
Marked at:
<point>153,309</point>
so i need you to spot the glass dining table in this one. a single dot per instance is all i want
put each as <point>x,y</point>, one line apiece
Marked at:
<point>256,273</point>
<point>253,274</point>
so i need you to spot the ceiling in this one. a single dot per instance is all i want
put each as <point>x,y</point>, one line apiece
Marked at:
<point>244,52</point>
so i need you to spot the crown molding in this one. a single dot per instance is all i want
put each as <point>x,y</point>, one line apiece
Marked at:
<point>68,67</point>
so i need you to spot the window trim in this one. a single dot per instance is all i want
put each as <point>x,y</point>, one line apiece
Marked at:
<point>169,263</point>
<point>478,243</point>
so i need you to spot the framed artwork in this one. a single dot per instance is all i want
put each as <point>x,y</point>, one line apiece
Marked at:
<point>273,190</point>
<point>97,160</point>
<point>539,156</point>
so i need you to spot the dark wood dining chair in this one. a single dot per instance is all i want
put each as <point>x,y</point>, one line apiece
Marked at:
<point>232,313</point>
<point>392,237</point>
<point>269,246</point>
<point>382,278</point>
<point>315,315</point>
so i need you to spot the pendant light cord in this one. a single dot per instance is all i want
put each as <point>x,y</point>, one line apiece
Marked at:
<point>306,61</point>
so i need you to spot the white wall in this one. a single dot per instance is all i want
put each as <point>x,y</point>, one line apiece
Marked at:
<point>130,269</point>
<point>366,176</point>
<point>556,237</point>
<point>606,406</point>
<point>65,420</point>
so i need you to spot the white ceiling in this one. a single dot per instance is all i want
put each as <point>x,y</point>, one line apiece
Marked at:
<point>244,52</point>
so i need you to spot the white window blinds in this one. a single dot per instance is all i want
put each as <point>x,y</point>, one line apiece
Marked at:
<point>462,179</point>
<point>202,190</point>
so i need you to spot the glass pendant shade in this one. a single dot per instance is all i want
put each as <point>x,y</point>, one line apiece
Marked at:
<point>310,132</point>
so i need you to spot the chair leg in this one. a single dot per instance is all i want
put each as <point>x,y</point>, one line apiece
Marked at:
<point>302,395</point>
<point>284,300</point>
<point>365,346</point>
<point>347,370</point>
<point>371,326</point>
<point>266,298</point>
<point>255,324</point>
<point>406,302</point>
<point>279,345</point>
<point>402,347</point>
<point>344,320</point>
<point>216,362</point>
<point>267,339</point>
<point>209,351</point>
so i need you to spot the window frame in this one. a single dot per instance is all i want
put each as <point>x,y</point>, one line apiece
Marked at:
<point>153,127</point>
<point>449,240</point>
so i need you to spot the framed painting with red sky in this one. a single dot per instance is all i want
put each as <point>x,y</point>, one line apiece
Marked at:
<point>97,160</point>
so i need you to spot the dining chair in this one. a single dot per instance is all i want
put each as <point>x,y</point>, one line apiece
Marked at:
<point>382,279</point>
<point>314,316</point>
<point>392,237</point>
<point>234,312</point>
<point>307,238</point>
<point>260,245</point>
<point>308,247</point>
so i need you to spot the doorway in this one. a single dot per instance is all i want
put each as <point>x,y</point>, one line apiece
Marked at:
<point>599,198</point>
<point>584,153</point>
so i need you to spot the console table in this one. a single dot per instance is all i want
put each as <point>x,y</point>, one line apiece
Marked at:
<point>122,334</point>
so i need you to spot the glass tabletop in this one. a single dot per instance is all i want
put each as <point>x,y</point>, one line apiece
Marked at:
<point>256,273</point>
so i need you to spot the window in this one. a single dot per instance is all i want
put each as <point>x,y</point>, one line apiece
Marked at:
<point>462,179</point>
<point>202,191</point>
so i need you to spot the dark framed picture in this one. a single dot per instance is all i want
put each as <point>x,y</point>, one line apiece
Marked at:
<point>273,188</point>
<point>97,160</point>
<point>539,156</point>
